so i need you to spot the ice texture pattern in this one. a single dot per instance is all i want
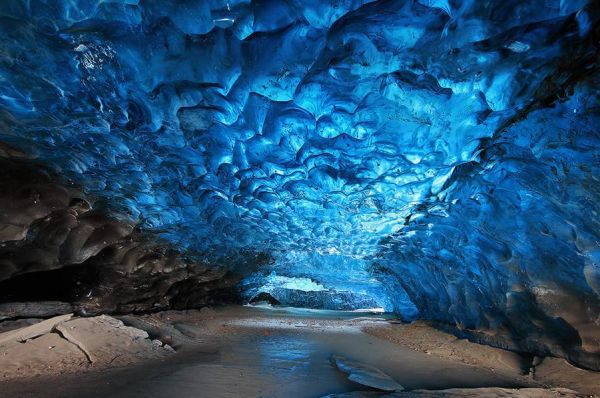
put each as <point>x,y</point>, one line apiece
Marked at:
<point>449,148</point>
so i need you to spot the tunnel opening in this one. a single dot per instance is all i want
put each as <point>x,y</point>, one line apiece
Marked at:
<point>325,280</point>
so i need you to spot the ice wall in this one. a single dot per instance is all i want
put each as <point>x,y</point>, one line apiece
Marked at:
<point>511,241</point>
<point>452,145</point>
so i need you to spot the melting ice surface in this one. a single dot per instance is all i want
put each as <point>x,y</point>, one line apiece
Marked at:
<point>448,148</point>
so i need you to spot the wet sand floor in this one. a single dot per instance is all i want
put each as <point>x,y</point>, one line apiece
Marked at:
<point>265,358</point>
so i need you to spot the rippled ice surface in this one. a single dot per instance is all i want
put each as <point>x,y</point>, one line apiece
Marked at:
<point>280,125</point>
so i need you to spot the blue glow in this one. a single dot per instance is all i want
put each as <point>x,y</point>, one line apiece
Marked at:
<point>442,153</point>
<point>285,282</point>
<point>326,280</point>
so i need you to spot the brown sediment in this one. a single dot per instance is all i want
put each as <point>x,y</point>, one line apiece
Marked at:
<point>247,352</point>
<point>548,371</point>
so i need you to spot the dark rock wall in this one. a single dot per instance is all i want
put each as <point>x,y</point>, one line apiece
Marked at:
<point>54,246</point>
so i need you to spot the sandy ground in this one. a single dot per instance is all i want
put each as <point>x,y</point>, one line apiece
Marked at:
<point>548,372</point>
<point>252,352</point>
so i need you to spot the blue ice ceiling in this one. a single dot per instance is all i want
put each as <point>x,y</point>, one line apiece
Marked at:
<point>448,148</point>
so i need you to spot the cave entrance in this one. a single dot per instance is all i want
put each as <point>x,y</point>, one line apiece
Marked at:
<point>325,281</point>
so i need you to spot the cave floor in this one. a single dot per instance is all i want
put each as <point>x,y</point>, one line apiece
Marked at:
<point>254,352</point>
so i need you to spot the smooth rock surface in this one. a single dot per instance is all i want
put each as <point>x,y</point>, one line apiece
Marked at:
<point>106,340</point>
<point>65,345</point>
<point>33,331</point>
<point>47,354</point>
<point>366,375</point>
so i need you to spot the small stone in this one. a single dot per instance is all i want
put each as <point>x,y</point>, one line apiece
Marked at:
<point>365,374</point>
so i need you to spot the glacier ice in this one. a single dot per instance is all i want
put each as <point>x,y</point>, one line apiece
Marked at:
<point>440,157</point>
<point>326,281</point>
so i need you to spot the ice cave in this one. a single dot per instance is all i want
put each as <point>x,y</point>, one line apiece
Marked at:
<point>299,198</point>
